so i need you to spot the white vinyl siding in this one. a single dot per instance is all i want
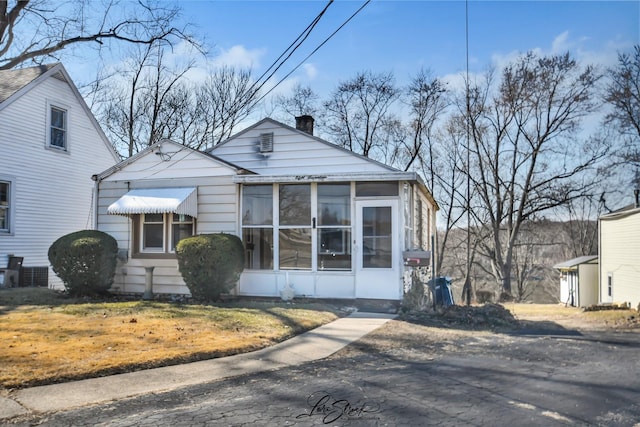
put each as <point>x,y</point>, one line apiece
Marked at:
<point>620,259</point>
<point>54,193</point>
<point>217,210</point>
<point>7,197</point>
<point>293,153</point>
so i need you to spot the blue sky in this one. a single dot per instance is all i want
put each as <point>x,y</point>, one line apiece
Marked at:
<point>403,36</point>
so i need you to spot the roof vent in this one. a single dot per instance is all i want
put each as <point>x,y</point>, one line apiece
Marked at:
<point>266,142</point>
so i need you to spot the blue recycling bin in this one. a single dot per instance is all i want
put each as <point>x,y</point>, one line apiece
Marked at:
<point>441,291</point>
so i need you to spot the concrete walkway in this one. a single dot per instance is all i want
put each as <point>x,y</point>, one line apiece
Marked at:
<point>313,345</point>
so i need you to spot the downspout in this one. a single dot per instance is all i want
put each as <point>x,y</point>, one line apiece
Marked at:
<point>94,215</point>
<point>599,261</point>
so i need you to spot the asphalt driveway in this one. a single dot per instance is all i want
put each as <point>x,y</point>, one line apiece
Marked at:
<point>413,375</point>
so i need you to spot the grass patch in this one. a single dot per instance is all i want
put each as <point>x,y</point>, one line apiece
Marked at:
<point>575,315</point>
<point>46,337</point>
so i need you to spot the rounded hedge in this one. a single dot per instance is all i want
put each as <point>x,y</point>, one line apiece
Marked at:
<point>85,261</point>
<point>210,264</point>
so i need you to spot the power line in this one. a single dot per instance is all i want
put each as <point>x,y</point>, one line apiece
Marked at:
<point>279,62</point>
<point>304,35</point>
<point>315,50</point>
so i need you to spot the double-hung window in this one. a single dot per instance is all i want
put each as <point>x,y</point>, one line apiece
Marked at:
<point>5,206</point>
<point>160,233</point>
<point>57,127</point>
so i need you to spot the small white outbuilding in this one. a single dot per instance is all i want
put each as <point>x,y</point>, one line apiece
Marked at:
<point>579,281</point>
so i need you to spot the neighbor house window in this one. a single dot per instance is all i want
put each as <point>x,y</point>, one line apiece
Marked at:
<point>5,206</point>
<point>257,226</point>
<point>160,233</point>
<point>57,127</point>
<point>334,226</point>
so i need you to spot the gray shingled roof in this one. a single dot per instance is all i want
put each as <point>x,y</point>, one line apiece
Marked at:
<point>12,81</point>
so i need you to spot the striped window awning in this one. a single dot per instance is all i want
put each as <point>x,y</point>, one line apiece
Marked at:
<point>157,200</point>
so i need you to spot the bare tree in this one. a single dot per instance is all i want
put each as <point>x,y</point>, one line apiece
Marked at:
<point>140,102</point>
<point>623,93</point>
<point>39,30</point>
<point>581,225</point>
<point>536,239</point>
<point>525,147</point>
<point>225,99</point>
<point>302,101</point>
<point>149,99</point>
<point>359,115</point>
<point>427,99</point>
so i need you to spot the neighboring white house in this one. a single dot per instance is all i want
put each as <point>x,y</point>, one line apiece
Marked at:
<point>51,146</point>
<point>620,256</point>
<point>579,281</point>
<point>329,222</point>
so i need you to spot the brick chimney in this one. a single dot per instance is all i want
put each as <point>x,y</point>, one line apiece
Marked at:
<point>305,124</point>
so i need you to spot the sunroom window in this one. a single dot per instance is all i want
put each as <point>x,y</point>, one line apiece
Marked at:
<point>257,226</point>
<point>312,228</point>
<point>334,227</point>
<point>295,226</point>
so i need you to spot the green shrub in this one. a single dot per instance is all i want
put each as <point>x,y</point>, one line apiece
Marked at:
<point>85,261</point>
<point>210,264</point>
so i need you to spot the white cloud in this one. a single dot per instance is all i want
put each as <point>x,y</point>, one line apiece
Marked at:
<point>240,57</point>
<point>561,43</point>
<point>310,70</point>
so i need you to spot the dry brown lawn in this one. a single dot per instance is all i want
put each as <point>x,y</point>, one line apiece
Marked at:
<point>573,317</point>
<point>45,338</point>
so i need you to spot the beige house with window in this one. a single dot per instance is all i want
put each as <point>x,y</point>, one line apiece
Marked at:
<point>312,216</point>
<point>51,146</point>
<point>620,256</point>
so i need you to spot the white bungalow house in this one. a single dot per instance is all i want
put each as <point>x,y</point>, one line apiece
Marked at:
<point>313,216</point>
<point>620,256</point>
<point>579,281</point>
<point>51,146</point>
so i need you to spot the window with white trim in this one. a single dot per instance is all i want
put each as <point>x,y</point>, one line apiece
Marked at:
<point>57,135</point>
<point>334,226</point>
<point>294,229</point>
<point>310,230</point>
<point>160,233</point>
<point>257,226</point>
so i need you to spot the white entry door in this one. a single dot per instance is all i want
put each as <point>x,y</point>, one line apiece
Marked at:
<point>376,249</point>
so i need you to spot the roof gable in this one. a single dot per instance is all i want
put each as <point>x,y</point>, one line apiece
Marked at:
<point>16,83</point>
<point>168,159</point>
<point>293,151</point>
<point>11,81</point>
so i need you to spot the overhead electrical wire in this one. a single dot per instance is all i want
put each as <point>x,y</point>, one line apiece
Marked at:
<point>257,85</point>
<point>291,49</point>
<point>315,50</point>
<point>253,90</point>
